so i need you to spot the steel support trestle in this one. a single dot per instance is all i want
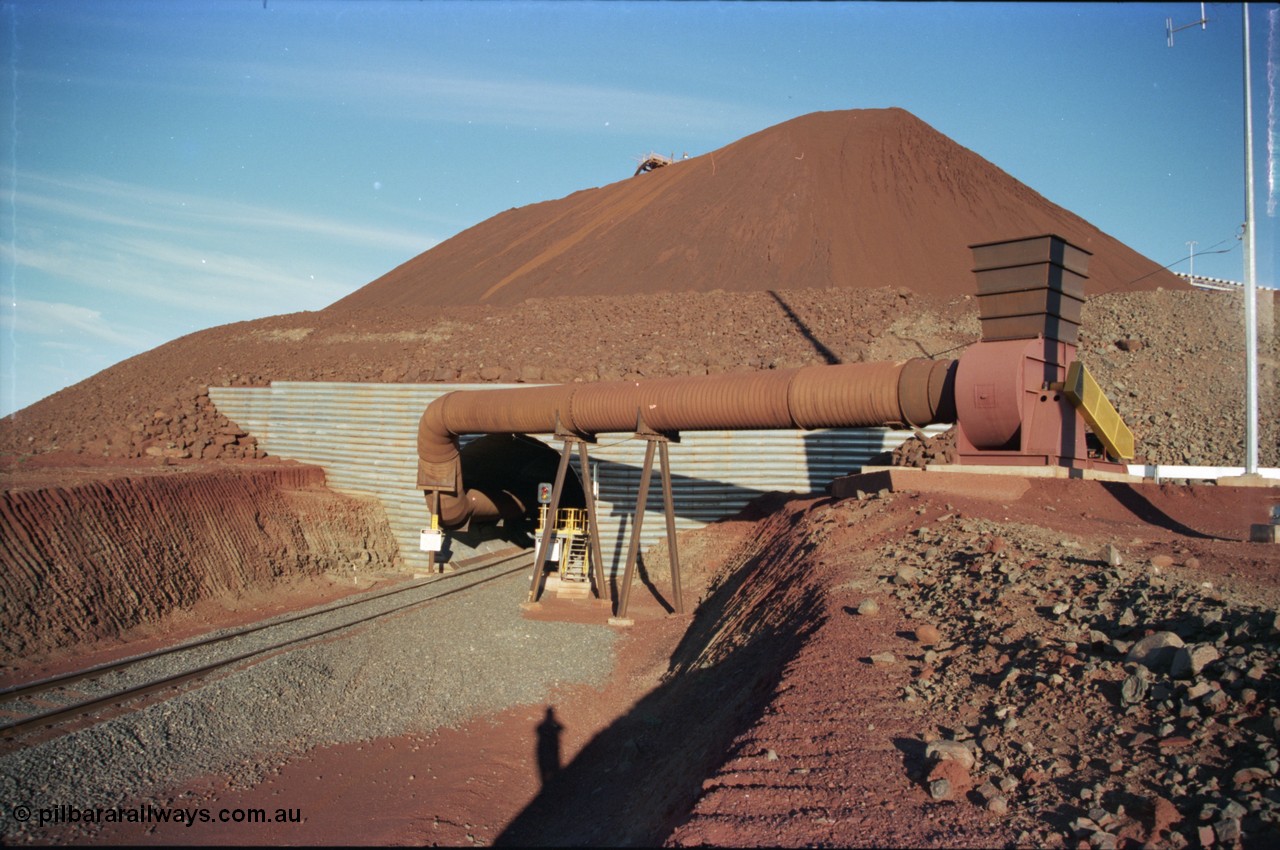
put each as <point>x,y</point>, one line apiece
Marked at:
<point>654,440</point>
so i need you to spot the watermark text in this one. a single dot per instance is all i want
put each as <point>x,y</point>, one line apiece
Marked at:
<point>145,813</point>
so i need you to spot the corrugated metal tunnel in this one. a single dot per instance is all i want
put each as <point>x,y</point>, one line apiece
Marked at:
<point>365,438</point>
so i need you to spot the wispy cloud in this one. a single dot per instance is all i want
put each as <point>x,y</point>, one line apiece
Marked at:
<point>501,100</point>
<point>214,285</point>
<point>95,242</point>
<point>398,87</point>
<point>99,270</point>
<point>111,202</point>
<point>71,326</point>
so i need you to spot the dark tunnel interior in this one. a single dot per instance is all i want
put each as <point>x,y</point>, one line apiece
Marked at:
<point>509,467</point>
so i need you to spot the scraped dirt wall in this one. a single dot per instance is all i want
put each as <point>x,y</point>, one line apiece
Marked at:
<point>96,558</point>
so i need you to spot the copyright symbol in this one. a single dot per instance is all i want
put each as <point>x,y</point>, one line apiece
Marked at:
<point>22,814</point>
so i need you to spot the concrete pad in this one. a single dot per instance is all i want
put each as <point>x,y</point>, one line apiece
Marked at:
<point>558,587</point>
<point>1254,480</point>
<point>1019,471</point>
<point>1005,487</point>
<point>999,483</point>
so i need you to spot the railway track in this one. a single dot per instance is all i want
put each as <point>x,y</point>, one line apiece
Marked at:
<point>58,700</point>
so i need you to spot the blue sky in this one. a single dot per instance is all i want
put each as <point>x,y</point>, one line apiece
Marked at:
<point>172,166</point>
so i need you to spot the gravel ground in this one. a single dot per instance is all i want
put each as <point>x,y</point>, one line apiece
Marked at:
<point>224,645</point>
<point>439,666</point>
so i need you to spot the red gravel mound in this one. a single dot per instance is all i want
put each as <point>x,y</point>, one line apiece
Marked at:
<point>858,198</point>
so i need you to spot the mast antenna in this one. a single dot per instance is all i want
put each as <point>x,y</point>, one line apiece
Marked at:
<point>1170,29</point>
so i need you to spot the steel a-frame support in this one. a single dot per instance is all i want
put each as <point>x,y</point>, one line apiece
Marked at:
<point>659,442</point>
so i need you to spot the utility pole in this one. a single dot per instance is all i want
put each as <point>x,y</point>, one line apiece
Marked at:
<point>1192,273</point>
<point>1250,266</point>
<point>1250,271</point>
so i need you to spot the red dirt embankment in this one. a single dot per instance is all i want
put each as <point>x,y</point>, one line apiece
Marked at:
<point>1002,627</point>
<point>102,553</point>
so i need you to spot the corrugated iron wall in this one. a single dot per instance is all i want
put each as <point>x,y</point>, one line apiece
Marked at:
<point>365,437</point>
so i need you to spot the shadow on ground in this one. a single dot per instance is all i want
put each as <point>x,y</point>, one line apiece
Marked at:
<point>635,781</point>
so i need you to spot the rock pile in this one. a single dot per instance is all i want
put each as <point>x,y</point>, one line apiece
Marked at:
<point>921,450</point>
<point>1177,416</point>
<point>1175,372</point>
<point>188,426</point>
<point>1158,700</point>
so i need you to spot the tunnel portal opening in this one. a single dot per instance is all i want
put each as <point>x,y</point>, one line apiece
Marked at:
<point>508,468</point>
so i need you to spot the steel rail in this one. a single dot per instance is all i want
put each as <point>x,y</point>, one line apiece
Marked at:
<point>63,712</point>
<point>17,691</point>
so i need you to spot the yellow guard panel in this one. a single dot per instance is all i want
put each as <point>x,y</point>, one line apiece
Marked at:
<point>1098,412</point>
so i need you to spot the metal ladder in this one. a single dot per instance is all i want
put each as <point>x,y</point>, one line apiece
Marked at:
<point>575,563</point>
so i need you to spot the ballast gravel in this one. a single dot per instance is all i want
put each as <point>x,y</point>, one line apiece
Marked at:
<point>467,655</point>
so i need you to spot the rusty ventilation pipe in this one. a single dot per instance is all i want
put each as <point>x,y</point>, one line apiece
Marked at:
<point>914,393</point>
